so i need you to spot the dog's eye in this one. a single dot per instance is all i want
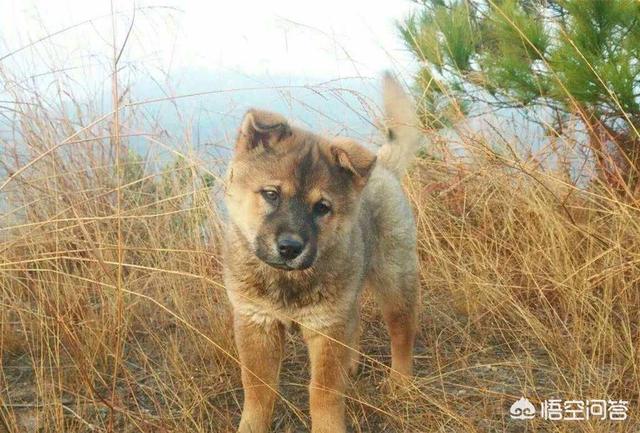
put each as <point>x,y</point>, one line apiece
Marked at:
<point>270,195</point>
<point>321,208</point>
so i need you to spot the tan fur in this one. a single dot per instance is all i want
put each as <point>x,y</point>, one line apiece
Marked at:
<point>367,239</point>
<point>402,123</point>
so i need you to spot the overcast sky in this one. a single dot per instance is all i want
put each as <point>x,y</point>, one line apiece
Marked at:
<point>269,42</point>
<point>327,38</point>
<point>185,47</point>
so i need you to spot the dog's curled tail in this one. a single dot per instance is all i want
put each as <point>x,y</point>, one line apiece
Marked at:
<point>402,128</point>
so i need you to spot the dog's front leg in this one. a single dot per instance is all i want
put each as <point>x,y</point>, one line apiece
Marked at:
<point>260,347</point>
<point>330,359</point>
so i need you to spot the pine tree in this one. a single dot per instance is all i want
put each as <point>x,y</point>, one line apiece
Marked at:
<point>581,58</point>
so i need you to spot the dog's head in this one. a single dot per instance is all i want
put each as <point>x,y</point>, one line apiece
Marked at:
<point>292,194</point>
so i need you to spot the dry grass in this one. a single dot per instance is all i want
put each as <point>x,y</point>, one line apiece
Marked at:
<point>113,316</point>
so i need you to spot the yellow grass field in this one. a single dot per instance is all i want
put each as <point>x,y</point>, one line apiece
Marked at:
<point>114,318</point>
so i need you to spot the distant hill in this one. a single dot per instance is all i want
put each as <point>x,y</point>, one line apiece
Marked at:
<point>209,106</point>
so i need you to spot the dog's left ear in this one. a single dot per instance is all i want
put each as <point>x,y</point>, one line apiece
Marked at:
<point>261,128</point>
<point>354,158</point>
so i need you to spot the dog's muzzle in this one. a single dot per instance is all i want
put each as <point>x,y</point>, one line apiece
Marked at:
<point>289,252</point>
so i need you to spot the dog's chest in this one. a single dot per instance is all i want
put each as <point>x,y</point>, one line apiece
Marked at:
<point>310,301</point>
<point>316,316</point>
<point>295,293</point>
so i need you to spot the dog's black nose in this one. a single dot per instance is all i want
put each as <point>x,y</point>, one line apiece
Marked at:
<point>289,246</point>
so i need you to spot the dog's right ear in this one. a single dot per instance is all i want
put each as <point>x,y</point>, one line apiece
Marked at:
<point>261,128</point>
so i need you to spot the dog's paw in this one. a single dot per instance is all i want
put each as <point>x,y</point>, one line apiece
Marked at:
<point>397,384</point>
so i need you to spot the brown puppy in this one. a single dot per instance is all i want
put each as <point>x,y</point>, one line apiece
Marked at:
<point>313,220</point>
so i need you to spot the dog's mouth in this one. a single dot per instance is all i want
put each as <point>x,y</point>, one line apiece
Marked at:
<point>300,263</point>
<point>293,265</point>
<point>286,267</point>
